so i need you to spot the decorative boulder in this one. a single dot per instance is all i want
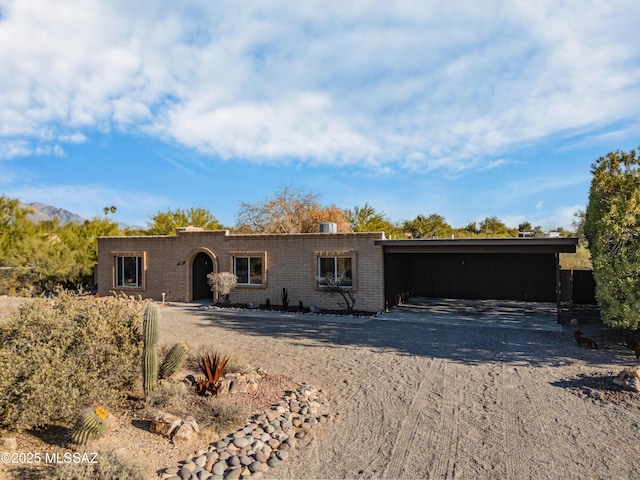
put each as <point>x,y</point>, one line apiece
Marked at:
<point>165,424</point>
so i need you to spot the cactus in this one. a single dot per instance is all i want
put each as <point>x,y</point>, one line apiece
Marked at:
<point>285,299</point>
<point>93,425</point>
<point>149,357</point>
<point>173,361</point>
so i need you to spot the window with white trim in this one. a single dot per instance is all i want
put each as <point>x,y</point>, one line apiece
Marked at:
<point>128,272</point>
<point>336,268</point>
<point>248,270</point>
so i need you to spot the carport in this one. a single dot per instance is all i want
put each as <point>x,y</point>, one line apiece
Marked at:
<point>523,269</point>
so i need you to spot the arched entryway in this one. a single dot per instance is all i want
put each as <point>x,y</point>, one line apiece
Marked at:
<point>202,266</point>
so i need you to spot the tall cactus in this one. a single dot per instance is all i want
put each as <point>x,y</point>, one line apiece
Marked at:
<point>149,357</point>
<point>174,360</point>
<point>92,425</point>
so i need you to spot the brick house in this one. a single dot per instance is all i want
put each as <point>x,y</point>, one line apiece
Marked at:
<point>264,264</point>
<point>378,271</point>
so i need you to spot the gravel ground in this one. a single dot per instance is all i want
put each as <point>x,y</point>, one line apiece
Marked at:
<point>434,401</point>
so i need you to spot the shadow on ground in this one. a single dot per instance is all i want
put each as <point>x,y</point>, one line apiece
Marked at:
<point>469,345</point>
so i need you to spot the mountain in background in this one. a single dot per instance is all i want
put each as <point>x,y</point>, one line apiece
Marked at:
<point>42,212</point>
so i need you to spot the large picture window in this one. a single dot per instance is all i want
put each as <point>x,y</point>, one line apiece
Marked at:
<point>248,270</point>
<point>337,269</point>
<point>128,272</point>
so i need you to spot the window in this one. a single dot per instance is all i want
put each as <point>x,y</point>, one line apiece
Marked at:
<point>128,272</point>
<point>248,270</point>
<point>337,268</point>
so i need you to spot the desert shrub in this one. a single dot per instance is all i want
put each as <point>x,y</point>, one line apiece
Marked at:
<point>59,355</point>
<point>216,416</point>
<point>236,364</point>
<point>108,465</point>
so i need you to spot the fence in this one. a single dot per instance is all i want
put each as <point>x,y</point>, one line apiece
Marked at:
<point>578,286</point>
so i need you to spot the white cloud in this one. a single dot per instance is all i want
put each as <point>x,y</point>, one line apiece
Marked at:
<point>414,84</point>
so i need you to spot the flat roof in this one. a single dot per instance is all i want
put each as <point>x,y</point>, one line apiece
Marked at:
<point>480,245</point>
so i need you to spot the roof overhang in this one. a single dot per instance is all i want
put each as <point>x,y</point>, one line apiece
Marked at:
<point>481,245</point>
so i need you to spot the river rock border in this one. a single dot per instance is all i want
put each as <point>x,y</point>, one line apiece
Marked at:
<point>262,444</point>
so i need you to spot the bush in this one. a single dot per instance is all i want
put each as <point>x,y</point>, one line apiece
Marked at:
<point>59,355</point>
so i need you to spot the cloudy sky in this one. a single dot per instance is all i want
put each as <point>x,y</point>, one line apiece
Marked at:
<point>467,109</point>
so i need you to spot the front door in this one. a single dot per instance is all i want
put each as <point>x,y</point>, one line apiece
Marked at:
<point>202,266</point>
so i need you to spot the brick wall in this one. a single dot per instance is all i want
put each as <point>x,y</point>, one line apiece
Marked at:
<point>291,263</point>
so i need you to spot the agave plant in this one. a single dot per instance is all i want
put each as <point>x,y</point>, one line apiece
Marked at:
<point>212,366</point>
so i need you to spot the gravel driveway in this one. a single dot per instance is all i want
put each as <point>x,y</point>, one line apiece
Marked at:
<point>426,400</point>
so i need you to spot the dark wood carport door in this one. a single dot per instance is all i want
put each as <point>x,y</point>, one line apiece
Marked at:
<point>202,266</point>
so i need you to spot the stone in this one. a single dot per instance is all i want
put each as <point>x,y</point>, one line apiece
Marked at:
<point>273,443</point>
<point>233,474</point>
<point>190,421</point>
<point>233,461</point>
<point>221,445</point>
<point>238,385</point>
<point>190,466</point>
<point>272,415</point>
<point>201,461</point>
<point>184,474</point>
<point>261,457</point>
<point>183,435</point>
<point>246,461</point>
<point>8,443</point>
<point>282,454</point>
<point>204,475</point>
<point>219,468</point>
<point>209,465</point>
<point>224,455</point>
<point>255,467</point>
<point>241,442</point>
<point>165,424</point>
<point>252,386</point>
<point>292,442</point>
<point>172,470</point>
<point>273,461</point>
<point>245,472</point>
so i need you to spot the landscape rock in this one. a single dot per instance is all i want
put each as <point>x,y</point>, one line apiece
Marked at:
<point>262,443</point>
<point>165,424</point>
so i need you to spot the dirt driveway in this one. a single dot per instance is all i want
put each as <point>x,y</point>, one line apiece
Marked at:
<point>424,400</point>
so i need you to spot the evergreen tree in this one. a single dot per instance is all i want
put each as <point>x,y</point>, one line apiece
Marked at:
<point>612,228</point>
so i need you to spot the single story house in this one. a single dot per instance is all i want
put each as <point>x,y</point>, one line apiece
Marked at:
<point>378,271</point>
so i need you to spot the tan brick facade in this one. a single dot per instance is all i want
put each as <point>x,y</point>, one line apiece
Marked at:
<point>289,261</point>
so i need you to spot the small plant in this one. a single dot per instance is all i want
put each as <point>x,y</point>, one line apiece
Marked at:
<point>340,286</point>
<point>92,426</point>
<point>300,305</point>
<point>174,360</point>
<point>267,304</point>
<point>285,299</point>
<point>212,366</point>
<point>149,356</point>
<point>222,283</point>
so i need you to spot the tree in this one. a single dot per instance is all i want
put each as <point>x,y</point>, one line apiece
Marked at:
<point>222,283</point>
<point>612,228</point>
<point>493,227</point>
<point>13,223</point>
<point>366,219</point>
<point>433,226</point>
<point>165,223</point>
<point>289,211</point>
<point>534,231</point>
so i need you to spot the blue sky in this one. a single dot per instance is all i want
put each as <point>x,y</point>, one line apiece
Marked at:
<point>465,109</point>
